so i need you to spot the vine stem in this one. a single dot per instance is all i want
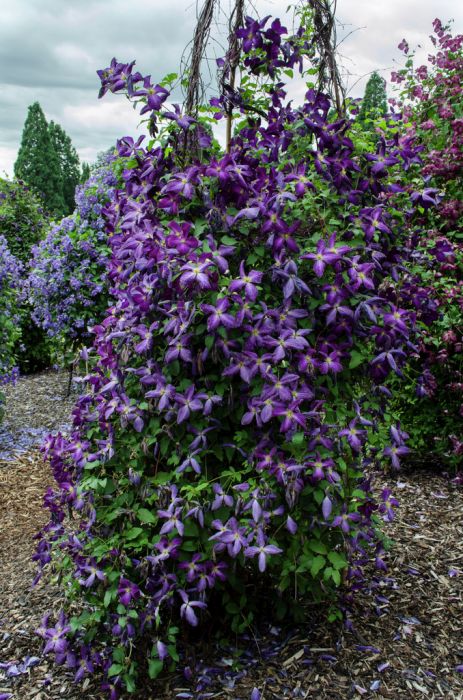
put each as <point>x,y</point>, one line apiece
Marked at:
<point>236,21</point>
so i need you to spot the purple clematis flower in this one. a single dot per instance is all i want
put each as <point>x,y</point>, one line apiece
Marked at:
<point>183,120</point>
<point>84,664</point>
<point>387,504</point>
<point>326,254</point>
<point>262,550</point>
<point>292,417</point>
<point>248,282</point>
<point>187,611</point>
<point>345,519</point>
<point>234,537</point>
<point>173,522</point>
<point>55,637</point>
<point>221,498</point>
<point>166,548</point>
<point>195,274</point>
<point>288,340</point>
<point>155,95</point>
<point>251,33</point>
<point>127,591</point>
<point>180,237</point>
<point>394,452</point>
<point>354,435</point>
<point>183,183</point>
<point>330,363</point>
<point>190,461</point>
<point>327,507</point>
<point>217,315</point>
<point>292,283</point>
<point>146,337</point>
<point>189,401</point>
<point>93,574</point>
<point>179,350</point>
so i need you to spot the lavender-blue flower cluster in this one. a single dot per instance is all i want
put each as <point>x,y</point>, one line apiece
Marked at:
<point>67,284</point>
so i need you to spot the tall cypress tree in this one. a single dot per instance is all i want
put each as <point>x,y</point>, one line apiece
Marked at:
<point>86,172</point>
<point>69,164</point>
<point>38,163</point>
<point>374,103</point>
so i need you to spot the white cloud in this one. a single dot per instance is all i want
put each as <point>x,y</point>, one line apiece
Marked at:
<point>7,159</point>
<point>71,54</point>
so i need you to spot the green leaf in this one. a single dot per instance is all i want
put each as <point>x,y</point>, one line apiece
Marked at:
<point>226,240</point>
<point>146,516</point>
<point>162,477</point>
<point>191,529</point>
<point>317,546</point>
<point>337,560</point>
<point>317,565</point>
<point>119,655</point>
<point>298,438</point>
<point>356,359</point>
<point>115,670</point>
<point>133,532</point>
<point>154,668</point>
<point>129,683</point>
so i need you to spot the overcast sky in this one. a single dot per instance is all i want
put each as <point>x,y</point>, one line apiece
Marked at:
<point>50,51</point>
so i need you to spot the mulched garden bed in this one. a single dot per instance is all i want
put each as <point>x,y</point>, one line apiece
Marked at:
<point>408,643</point>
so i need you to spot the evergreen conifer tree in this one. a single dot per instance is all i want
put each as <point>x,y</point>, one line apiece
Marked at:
<point>68,163</point>
<point>85,174</point>
<point>374,103</point>
<point>38,163</point>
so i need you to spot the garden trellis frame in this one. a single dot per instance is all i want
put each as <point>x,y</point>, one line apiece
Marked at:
<point>324,44</point>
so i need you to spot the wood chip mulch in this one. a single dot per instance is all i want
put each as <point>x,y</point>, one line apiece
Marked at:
<point>35,405</point>
<point>406,644</point>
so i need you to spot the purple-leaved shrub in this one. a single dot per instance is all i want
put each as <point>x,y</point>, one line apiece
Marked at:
<point>237,389</point>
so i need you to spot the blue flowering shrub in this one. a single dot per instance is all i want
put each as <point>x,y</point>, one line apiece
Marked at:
<point>238,385</point>
<point>10,276</point>
<point>67,283</point>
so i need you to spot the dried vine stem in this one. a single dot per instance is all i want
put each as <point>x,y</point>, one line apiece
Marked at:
<point>195,89</point>
<point>236,21</point>
<point>324,39</point>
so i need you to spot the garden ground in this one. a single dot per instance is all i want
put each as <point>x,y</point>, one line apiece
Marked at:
<point>407,643</point>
